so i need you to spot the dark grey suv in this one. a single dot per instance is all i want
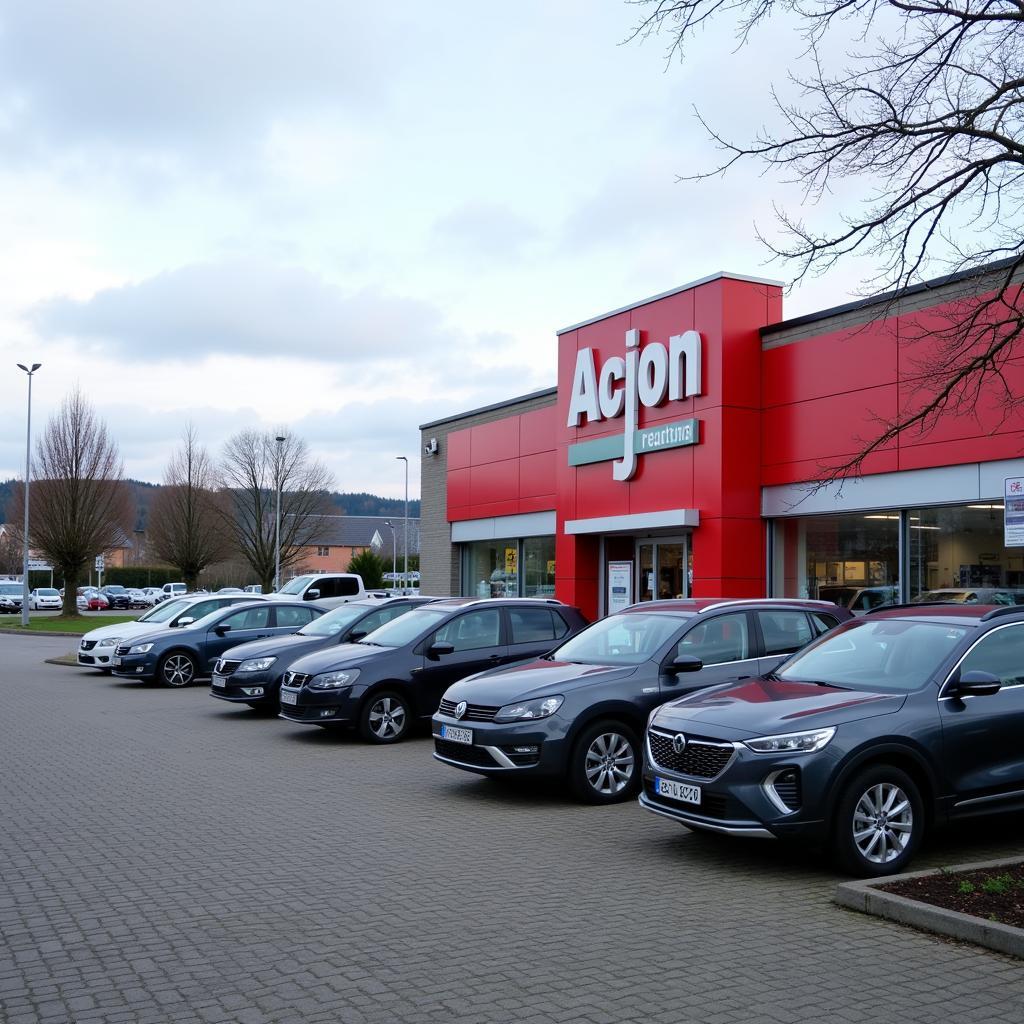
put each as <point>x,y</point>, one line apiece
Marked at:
<point>904,718</point>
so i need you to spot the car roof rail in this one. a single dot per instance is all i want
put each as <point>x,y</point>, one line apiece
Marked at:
<point>1007,609</point>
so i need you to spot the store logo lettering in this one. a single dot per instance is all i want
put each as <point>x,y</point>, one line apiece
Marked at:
<point>644,378</point>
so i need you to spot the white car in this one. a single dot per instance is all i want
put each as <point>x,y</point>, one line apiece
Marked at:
<point>137,598</point>
<point>45,599</point>
<point>153,595</point>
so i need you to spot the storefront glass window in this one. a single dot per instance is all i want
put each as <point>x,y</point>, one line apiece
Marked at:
<point>491,568</point>
<point>539,567</point>
<point>957,554</point>
<point>851,559</point>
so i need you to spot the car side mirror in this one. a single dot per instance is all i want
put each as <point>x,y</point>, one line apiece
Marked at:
<point>187,621</point>
<point>311,595</point>
<point>221,630</point>
<point>978,684</point>
<point>439,649</point>
<point>357,634</point>
<point>686,663</point>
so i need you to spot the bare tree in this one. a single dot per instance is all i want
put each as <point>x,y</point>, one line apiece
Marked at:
<point>185,525</point>
<point>80,505</point>
<point>253,467</point>
<point>926,117</point>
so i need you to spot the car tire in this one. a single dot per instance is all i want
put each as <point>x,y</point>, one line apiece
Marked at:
<point>879,822</point>
<point>605,764</point>
<point>385,717</point>
<point>177,669</point>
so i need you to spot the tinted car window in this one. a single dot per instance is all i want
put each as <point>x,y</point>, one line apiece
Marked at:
<point>324,588</point>
<point>346,587</point>
<point>293,616</point>
<point>532,625</point>
<point>823,622</point>
<point>473,630</point>
<point>784,632</point>
<point>249,618</point>
<point>1001,653</point>
<point>718,640</point>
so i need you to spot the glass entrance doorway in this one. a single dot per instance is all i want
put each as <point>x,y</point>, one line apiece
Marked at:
<point>662,569</point>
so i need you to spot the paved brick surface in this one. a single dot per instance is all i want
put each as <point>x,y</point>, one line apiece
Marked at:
<point>165,858</point>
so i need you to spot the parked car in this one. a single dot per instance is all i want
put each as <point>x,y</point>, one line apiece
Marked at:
<point>254,588</point>
<point>251,674</point>
<point>972,595</point>
<point>895,721</point>
<point>328,589</point>
<point>578,713</point>
<point>117,597</point>
<point>96,648</point>
<point>95,601</point>
<point>11,597</point>
<point>153,595</point>
<point>173,590</point>
<point>231,590</point>
<point>45,599</point>
<point>137,598</point>
<point>860,599</point>
<point>398,673</point>
<point>177,657</point>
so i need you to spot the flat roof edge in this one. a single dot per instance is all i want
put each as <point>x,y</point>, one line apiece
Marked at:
<point>673,291</point>
<point>491,408</point>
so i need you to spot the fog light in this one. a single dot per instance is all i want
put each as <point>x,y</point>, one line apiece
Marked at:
<point>327,712</point>
<point>253,691</point>
<point>525,750</point>
<point>140,668</point>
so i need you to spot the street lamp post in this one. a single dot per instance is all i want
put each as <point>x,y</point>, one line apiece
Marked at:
<point>394,555</point>
<point>405,570</point>
<point>277,519</point>
<point>28,476</point>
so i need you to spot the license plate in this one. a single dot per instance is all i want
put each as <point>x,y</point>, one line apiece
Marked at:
<point>116,662</point>
<point>289,698</point>
<point>456,735</point>
<point>677,791</point>
<point>220,682</point>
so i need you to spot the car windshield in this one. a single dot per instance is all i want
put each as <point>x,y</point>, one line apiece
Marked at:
<point>114,590</point>
<point>296,586</point>
<point>625,639</point>
<point>10,589</point>
<point>335,621</point>
<point>48,592</point>
<point>163,612</point>
<point>884,655</point>
<point>398,632</point>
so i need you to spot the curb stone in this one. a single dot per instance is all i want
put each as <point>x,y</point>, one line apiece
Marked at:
<point>64,664</point>
<point>867,897</point>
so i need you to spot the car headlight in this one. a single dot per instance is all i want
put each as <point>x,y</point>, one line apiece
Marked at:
<point>792,742</point>
<point>542,707</point>
<point>334,680</point>
<point>108,641</point>
<point>255,664</point>
<point>140,649</point>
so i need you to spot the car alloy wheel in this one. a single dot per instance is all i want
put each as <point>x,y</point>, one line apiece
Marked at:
<point>177,670</point>
<point>880,822</point>
<point>385,718</point>
<point>605,764</point>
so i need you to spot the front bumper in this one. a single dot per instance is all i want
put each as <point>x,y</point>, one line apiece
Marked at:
<point>537,748</point>
<point>96,656</point>
<point>318,707</point>
<point>135,666</point>
<point>264,690</point>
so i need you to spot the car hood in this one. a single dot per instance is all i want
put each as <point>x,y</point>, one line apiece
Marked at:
<point>539,678</point>
<point>763,707</point>
<point>132,629</point>
<point>342,656</point>
<point>279,645</point>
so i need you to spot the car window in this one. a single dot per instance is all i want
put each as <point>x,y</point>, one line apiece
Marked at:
<point>783,631</point>
<point>532,625</point>
<point>248,618</point>
<point>377,619</point>
<point>718,640</point>
<point>294,616</point>
<point>1001,654</point>
<point>324,588</point>
<point>472,631</point>
<point>823,622</point>
<point>346,587</point>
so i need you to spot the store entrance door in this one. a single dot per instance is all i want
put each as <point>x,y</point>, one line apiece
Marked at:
<point>662,568</point>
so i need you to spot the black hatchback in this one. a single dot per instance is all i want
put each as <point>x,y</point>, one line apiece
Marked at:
<point>397,674</point>
<point>251,673</point>
<point>902,719</point>
<point>578,714</point>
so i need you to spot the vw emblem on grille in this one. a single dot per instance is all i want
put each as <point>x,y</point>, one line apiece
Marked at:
<point>460,709</point>
<point>679,743</point>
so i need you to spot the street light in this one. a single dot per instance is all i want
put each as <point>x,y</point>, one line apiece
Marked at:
<point>277,524</point>
<point>405,571</point>
<point>394,555</point>
<point>28,473</point>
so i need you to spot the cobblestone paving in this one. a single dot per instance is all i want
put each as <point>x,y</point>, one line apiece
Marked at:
<point>166,858</point>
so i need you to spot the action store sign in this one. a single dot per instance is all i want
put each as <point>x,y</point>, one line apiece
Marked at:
<point>648,378</point>
<point>1013,512</point>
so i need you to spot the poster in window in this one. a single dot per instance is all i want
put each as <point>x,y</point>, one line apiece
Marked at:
<point>620,586</point>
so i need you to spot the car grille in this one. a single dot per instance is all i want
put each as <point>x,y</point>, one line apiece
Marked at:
<point>88,645</point>
<point>225,668</point>
<point>296,679</point>
<point>464,754</point>
<point>702,758</point>
<point>121,650</point>
<point>474,712</point>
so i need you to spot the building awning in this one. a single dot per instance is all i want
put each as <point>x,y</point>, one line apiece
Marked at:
<point>678,518</point>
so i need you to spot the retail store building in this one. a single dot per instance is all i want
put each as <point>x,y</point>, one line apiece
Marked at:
<point>678,454</point>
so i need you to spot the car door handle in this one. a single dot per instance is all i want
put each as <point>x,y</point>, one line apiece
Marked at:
<point>494,657</point>
<point>738,678</point>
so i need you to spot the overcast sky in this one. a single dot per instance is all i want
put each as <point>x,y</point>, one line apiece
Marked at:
<point>347,219</point>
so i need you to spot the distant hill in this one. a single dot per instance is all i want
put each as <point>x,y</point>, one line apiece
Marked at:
<point>357,504</point>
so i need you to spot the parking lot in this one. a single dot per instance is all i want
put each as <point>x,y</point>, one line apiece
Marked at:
<point>167,858</point>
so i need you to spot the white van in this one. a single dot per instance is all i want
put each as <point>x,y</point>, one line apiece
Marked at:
<point>328,589</point>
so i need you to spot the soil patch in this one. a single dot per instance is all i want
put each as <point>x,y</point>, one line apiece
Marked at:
<point>993,895</point>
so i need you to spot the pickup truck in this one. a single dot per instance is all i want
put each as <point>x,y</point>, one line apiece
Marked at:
<point>328,589</point>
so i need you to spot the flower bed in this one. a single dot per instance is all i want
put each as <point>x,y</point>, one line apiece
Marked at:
<point>995,895</point>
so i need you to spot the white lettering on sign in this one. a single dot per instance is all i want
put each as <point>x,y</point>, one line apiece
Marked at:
<point>644,378</point>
